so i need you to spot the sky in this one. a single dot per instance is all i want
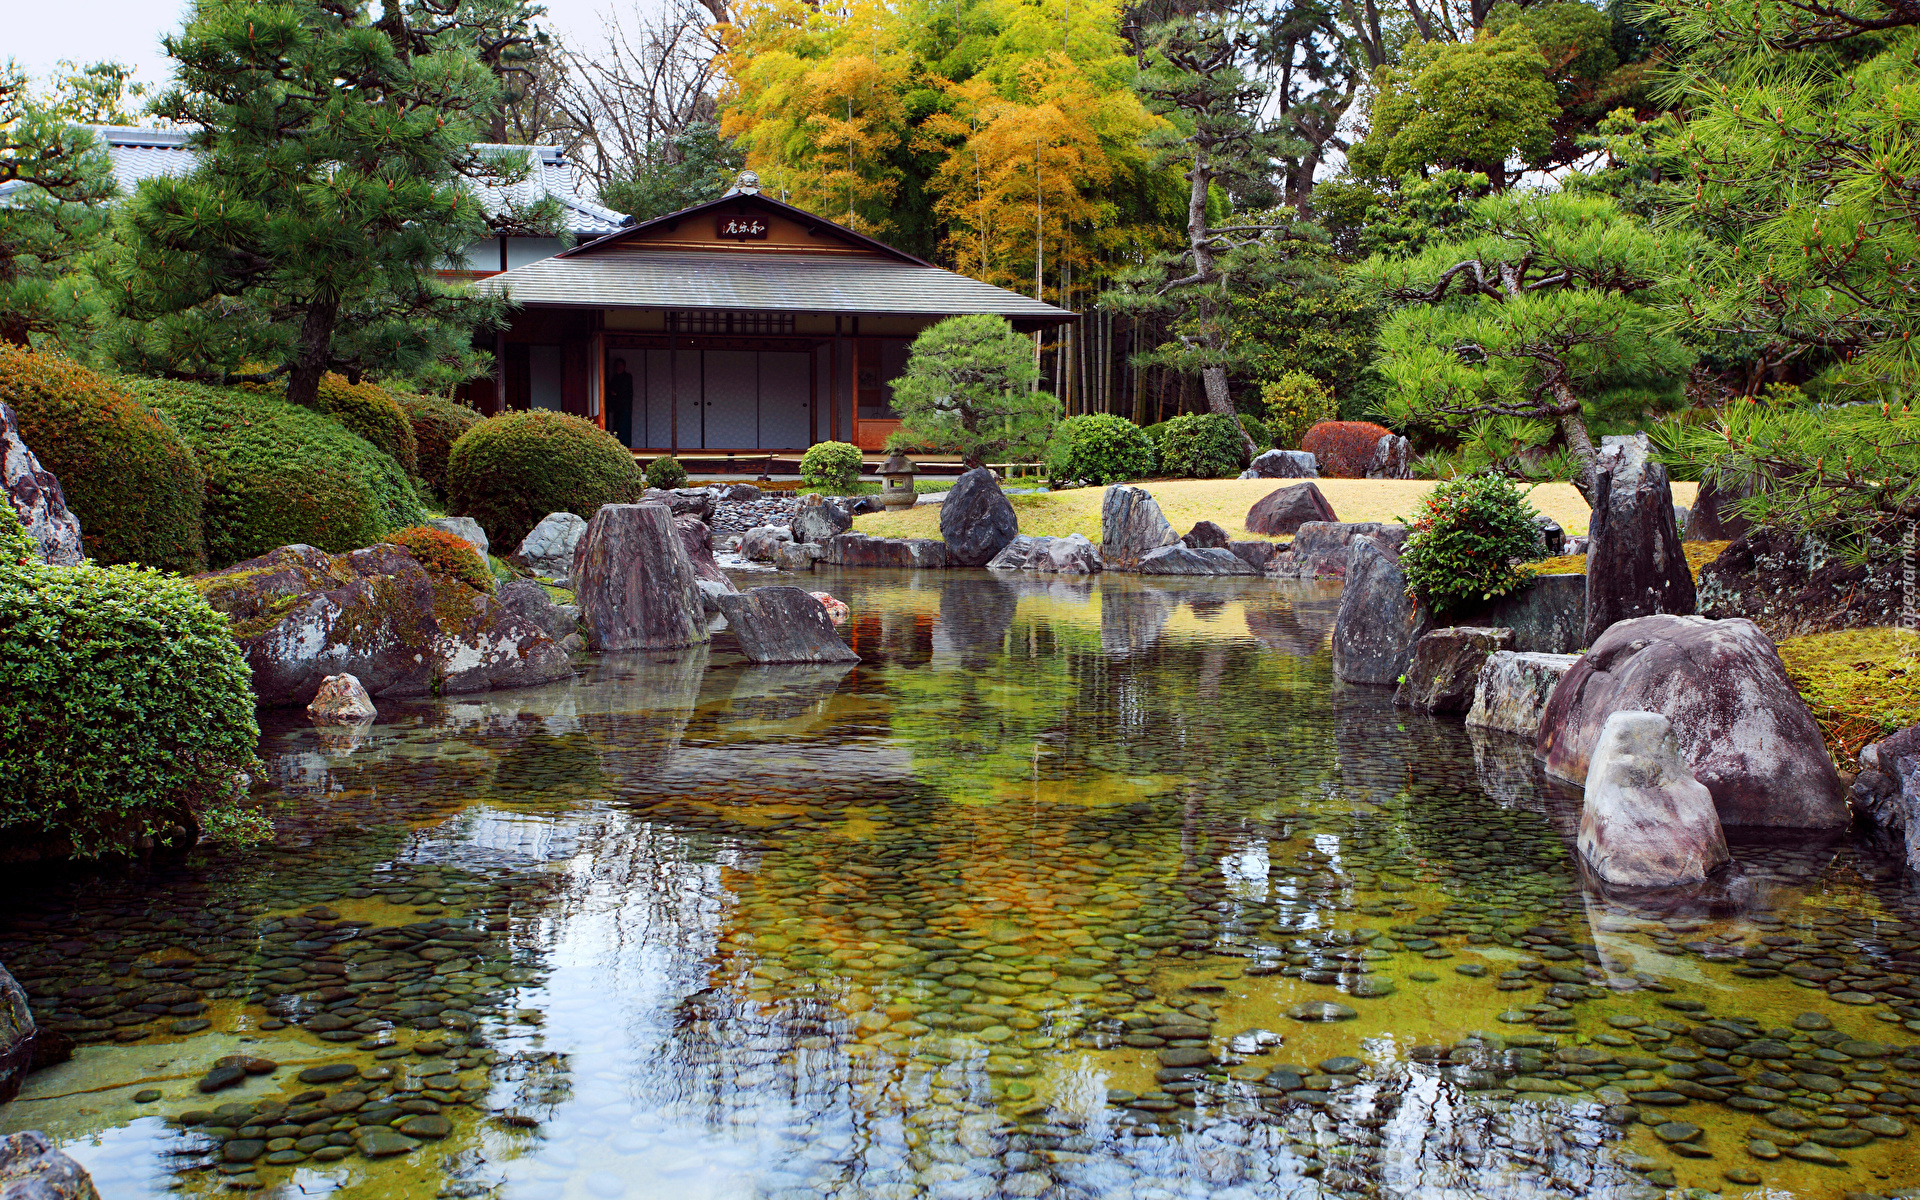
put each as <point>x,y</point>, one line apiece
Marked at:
<point>39,34</point>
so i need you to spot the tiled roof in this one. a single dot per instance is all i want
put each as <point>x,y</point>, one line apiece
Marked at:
<point>633,276</point>
<point>139,154</point>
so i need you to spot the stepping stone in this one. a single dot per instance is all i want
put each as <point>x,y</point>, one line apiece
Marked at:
<point>194,1025</point>
<point>1880,1126</point>
<point>1859,998</point>
<point>1322,1011</point>
<point>383,1143</point>
<point>330,1073</point>
<point>221,1077</point>
<point>1762,1149</point>
<point>426,1126</point>
<point>1741,1175</point>
<point>1813,1152</point>
<point>243,1150</point>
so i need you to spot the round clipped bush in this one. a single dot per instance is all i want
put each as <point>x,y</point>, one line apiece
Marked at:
<point>437,425</point>
<point>511,470</point>
<point>129,718</point>
<point>1099,448</point>
<point>278,474</point>
<point>666,472</point>
<point>368,410</point>
<point>1344,448</point>
<point>1198,446</point>
<point>445,556</point>
<point>123,467</point>
<point>831,467</point>
<point>1296,402</point>
<point>1470,543</point>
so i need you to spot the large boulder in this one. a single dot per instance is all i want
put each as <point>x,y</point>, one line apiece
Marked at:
<point>1743,729</point>
<point>1635,564</point>
<point>818,519</point>
<point>797,556</point>
<point>16,1036</point>
<point>1886,792</point>
<point>860,550</point>
<point>1285,510</point>
<point>301,614</point>
<point>1547,616</point>
<point>532,603</point>
<point>341,700</point>
<point>783,625</point>
<point>1714,518</point>
<point>1069,555</point>
<point>1206,535</point>
<point>548,548</point>
<point>466,529</point>
<point>976,520</point>
<point>1258,555</point>
<point>684,502</point>
<point>1392,458</point>
<point>32,1169</point>
<point>1645,822</point>
<point>758,543</point>
<point>1131,524</point>
<point>1283,464</point>
<point>697,539</point>
<point>1185,560</point>
<point>636,587</point>
<point>36,497</point>
<point>1792,585</point>
<point>1444,668</point>
<point>1513,689</point>
<point>1319,549</point>
<point>1378,623</point>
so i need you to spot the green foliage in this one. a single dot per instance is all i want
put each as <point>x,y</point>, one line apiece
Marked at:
<point>1296,402</point>
<point>47,224</point>
<point>278,474</point>
<point>124,469</point>
<point>1543,307</point>
<point>1471,106</point>
<point>1197,446</point>
<point>335,174</point>
<point>1099,448</point>
<point>445,555</point>
<point>1469,543</point>
<point>509,471</point>
<point>128,709</point>
<point>691,167</point>
<point>368,410</point>
<point>1257,431</point>
<point>969,389</point>
<point>1841,472</point>
<point>437,425</point>
<point>1370,216</point>
<point>666,472</point>
<point>831,466</point>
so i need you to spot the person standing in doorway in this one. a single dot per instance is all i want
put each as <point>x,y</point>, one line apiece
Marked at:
<point>620,403</point>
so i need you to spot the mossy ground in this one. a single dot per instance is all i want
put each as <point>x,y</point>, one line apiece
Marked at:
<point>1862,684</point>
<point>1225,502</point>
<point>1699,554</point>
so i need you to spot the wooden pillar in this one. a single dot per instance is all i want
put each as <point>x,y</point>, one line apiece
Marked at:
<point>813,397</point>
<point>833,384</point>
<point>673,388</point>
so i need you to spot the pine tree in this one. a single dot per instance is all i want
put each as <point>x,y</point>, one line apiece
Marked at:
<point>54,183</point>
<point>969,389</point>
<point>336,174</point>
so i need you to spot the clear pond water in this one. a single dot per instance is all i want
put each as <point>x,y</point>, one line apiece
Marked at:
<point>1069,889</point>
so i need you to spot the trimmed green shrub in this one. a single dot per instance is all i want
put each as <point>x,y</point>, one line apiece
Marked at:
<point>666,472</point>
<point>437,425</point>
<point>1470,543</point>
<point>278,474</point>
<point>125,471</point>
<point>445,556</point>
<point>1100,448</point>
<point>368,410</point>
<point>1296,402</point>
<point>126,709</point>
<point>1198,446</point>
<point>509,471</point>
<point>831,467</point>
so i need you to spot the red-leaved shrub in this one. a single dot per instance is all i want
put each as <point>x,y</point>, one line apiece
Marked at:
<point>1344,448</point>
<point>445,555</point>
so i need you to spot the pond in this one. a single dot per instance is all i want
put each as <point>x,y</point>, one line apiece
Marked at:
<point>1088,888</point>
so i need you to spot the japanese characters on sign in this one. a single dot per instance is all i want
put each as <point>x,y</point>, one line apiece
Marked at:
<point>741,229</point>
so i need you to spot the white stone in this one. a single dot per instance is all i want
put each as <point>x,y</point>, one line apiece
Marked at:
<point>548,550</point>
<point>1646,821</point>
<point>1514,688</point>
<point>341,700</point>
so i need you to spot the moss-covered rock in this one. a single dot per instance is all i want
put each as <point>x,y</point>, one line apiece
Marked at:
<point>278,474</point>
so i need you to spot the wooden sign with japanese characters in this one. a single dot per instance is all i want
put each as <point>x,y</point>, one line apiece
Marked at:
<point>741,229</point>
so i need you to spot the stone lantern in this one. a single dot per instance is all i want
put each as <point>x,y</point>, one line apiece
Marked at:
<point>896,488</point>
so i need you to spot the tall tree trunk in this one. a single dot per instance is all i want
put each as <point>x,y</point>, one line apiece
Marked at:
<point>1573,427</point>
<point>1199,235</point>
<point>312,353</point>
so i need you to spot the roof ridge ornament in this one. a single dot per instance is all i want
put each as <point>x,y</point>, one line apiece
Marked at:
<point>746,183</point>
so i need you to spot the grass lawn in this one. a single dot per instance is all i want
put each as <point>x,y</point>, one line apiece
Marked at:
<point>1226,501</point>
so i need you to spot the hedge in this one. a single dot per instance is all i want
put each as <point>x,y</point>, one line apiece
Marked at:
<point>128,711</point>
<point>279,474</point>
<point>1344,448</point>
<point>511,470</point>
<point>368,410</point>
<point>1198,445</point>
<point>437,425</point>
<point>124,468</point>
<point>1099,448</point>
